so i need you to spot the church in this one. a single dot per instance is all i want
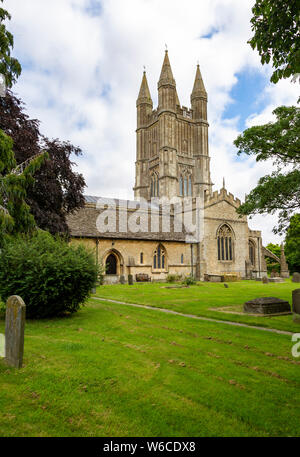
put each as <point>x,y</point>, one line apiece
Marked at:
<point>145,237</point>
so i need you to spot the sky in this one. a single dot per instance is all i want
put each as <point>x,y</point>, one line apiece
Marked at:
<point>82,68</point>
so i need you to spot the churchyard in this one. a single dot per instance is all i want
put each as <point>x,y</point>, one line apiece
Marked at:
<point>117,370</point>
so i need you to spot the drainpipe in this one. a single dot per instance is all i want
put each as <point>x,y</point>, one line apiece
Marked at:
<point>192,264</point>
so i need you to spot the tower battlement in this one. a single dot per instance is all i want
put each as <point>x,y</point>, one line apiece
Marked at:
<point>221,195</point>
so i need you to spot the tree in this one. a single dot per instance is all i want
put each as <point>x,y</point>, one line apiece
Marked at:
<point>272,265</point>
<point>9,66</point>
<point>278,141</point>
<point>292,244</point>
<point>57,189</point>
<point>15,216</point>
<point>276,27</point>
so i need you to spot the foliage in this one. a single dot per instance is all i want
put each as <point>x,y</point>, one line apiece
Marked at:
<point>50,275</point>
<point>57,189</point>
<point>274,248</point>
<point>171,278</point>
<point>271,264</point>
<point>15,216</point>
<point>292,244</point>
<point>276,27</point>
<point>9,66</point>
<point>189,280</point>
<point>278,141</point>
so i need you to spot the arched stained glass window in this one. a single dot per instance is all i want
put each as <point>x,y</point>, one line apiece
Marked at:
<point>225,243</point>
<point>159,258</point>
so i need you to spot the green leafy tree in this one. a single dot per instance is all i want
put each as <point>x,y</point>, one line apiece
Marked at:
<point>292,244</point>
<point>15,216</point>
<point>278,141</point>
<point>9,66</point>
<point>276,27</point>
<point>271,264</point>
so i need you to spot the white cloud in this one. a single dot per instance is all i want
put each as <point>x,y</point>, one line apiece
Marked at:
<point>81,75</point>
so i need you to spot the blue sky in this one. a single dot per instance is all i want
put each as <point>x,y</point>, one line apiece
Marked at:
<point>83,63</point>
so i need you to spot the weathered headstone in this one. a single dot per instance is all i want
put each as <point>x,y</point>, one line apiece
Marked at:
<point>225,285</point>
<point>14,331</point>
<point>130,280</point>
<point>296,305</point>
<point>122,279</point>
<point>296,277</point>
<point>265,280</point>
<point>267,305</point>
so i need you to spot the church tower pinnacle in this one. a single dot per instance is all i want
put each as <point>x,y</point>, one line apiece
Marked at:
<point>167,94</point>
<point>199,97</point>
<point>144,102</point>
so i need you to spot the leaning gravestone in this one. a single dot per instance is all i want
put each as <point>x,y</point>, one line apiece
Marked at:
<point>296,305</point>
<point>267,305</point>
<point>296,277</point>
<point>14,331</point>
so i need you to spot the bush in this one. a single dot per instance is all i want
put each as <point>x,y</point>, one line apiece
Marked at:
<point>52,276</point>
<point>189,281</point>
<point>171,278</point>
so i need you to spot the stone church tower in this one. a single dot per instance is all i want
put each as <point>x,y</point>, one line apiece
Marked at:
<point>172,158</point>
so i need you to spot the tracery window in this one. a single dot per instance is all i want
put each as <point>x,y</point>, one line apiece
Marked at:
<point>225,243</point>
<point>159,258</point>
<point>185,185</point>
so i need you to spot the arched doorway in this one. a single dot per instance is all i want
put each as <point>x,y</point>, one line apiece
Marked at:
<point>111,265</point>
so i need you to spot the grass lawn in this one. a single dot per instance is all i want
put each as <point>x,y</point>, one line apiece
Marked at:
<point>203,298</point>
<point>115,370</point>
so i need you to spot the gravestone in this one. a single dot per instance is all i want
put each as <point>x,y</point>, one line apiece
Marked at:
<point>296,277</point>
<point>265,280</point>
<point>296,305</point>
<point>267,305</point>
<point>14,331</point>
<point>122,279</point>
<point>130,280</point>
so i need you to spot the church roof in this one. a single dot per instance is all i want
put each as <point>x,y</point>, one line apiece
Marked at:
<point>83,222</point>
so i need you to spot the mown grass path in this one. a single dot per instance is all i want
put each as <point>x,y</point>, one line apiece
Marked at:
<point>208,300</point>
<point>192,316</point>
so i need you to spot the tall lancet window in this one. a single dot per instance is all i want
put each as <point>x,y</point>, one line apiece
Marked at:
<point>154,185</point>
<point>190,186</point>
<point>180,186</point>
<point>225,243</point>
<point>252,252</point>
<point>185,186</point>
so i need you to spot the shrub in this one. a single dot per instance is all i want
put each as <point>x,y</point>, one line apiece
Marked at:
<point>52,276</point>
<point>171,278</point>
<point>189,281</point>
